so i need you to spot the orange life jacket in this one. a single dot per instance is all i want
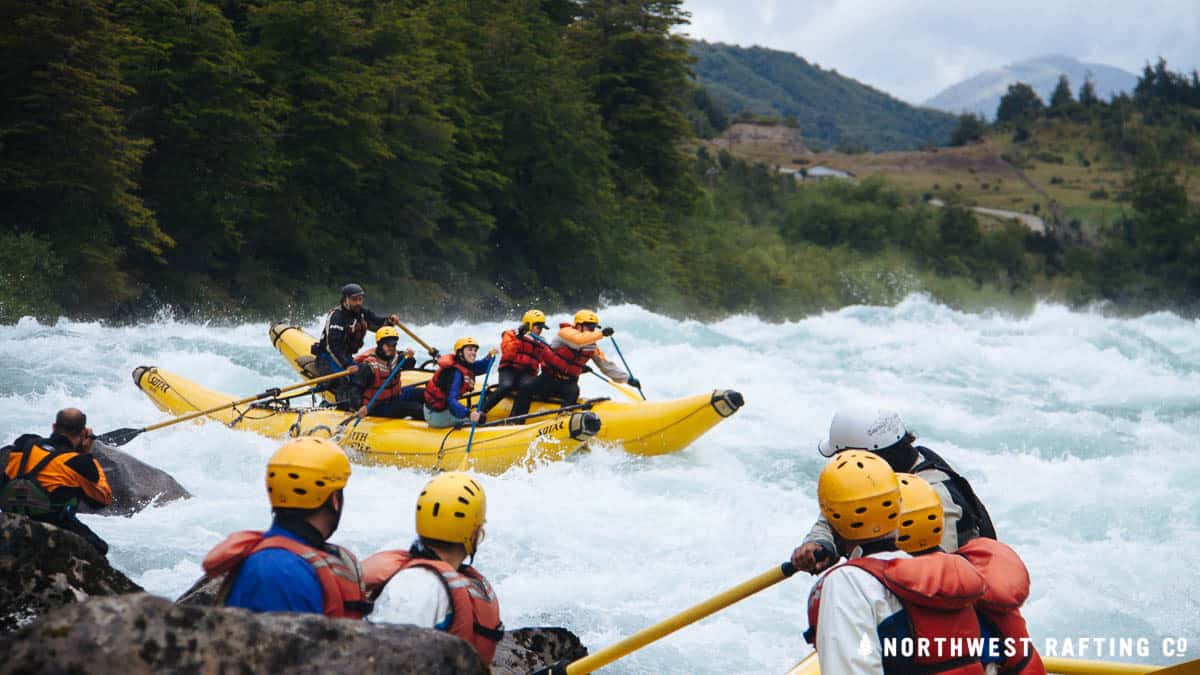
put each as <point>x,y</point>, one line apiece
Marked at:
<point>380,370</point>
<point>564,362</point>
<point>437,389</point>
<point>938,595</point>
<point>1007,589</point>
<point>475,606</point>
<point>342,591</point>
<point>518,353</point>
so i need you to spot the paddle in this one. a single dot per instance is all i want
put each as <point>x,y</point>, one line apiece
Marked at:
<point>479,409</point>
<point>122,436</point>
<point>691,615</point>
<point>626,364</point>
<point>432,352</point>
<point>586,405</point>
<point>618,386</point>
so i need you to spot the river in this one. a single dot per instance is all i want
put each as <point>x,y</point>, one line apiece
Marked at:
<point>1077,430</point>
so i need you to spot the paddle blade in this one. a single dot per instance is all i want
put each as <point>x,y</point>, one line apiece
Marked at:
<point>119,436</point>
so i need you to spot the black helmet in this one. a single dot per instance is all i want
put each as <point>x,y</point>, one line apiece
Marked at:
<point>352,289</point>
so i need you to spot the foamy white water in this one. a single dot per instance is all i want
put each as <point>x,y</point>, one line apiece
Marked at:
<point>1078,431</point>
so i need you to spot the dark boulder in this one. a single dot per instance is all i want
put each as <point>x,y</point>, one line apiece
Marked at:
<point>43,567</point>
<point>525,650</point>
<point>138,634</point>
<point>135,484</point>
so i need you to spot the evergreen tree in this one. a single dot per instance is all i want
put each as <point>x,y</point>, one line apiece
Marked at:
<point>1061,101</point>
<point>971,127</point>
<point>1019,105</point>
<point>1087,92</point>
<point>68,169</point>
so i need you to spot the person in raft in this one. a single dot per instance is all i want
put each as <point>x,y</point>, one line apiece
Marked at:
<point>883,433</point>
<point>454,378</point>
<point>862,613</point>
<point>520,360</point>
<point>291,567</point>
<point>374,376</point>
<point>567,358</point>
<point>433,583</point>
<point>345,328</point>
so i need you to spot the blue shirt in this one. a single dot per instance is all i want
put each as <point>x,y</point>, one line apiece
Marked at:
<point>276,580</point>
<point>457,409</point>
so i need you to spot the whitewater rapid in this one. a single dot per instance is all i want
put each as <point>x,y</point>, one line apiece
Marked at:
<point>1077,430</point>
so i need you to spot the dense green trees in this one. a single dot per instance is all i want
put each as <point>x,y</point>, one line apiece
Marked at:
<point>464,155</point>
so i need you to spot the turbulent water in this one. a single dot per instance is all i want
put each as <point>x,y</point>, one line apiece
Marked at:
<point>1078,431</point>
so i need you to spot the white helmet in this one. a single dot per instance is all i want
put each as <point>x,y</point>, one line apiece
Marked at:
<point>868,429</point>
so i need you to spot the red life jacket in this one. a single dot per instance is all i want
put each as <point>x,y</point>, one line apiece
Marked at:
<point>1007,589</point>
<point>937,594</point>
<point>380,370</point>
<point>342,591</point>
<point>518,353</point>
<point>437,389</point>
<point>564,362</point>
<point>475,606</point>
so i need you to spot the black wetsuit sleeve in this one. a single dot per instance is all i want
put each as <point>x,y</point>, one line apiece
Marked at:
<point>339,328</point>
<point>358,383</point>
<point>408,363</point>
<point>374,321</point>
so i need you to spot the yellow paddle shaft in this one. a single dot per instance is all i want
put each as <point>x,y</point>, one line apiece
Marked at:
<point>691,615</point>
<point>248,399</point>
<point>414,336</point>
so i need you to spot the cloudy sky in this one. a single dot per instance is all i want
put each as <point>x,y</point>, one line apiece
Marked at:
<point>913,49</point>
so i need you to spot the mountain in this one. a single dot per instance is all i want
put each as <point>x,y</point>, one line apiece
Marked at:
<point>832,110</point>
<point>981,93</point>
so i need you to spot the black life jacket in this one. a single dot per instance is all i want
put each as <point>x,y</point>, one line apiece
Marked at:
<point>975,520</point>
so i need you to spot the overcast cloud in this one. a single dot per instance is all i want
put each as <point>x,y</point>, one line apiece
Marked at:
<point>913,49</point>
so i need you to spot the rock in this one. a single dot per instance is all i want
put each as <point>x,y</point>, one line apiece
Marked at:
<point>525,650</point>
<point>135,484</point>
<point>203,593</point>
<point>138,634</point>
<point>43,567</point>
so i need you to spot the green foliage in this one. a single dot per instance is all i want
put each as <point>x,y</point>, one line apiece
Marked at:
<point>1061,101</point>
<point>971,127</point>
<point>1020,105</point>
<point>830,109</point>
<point>30,276</point>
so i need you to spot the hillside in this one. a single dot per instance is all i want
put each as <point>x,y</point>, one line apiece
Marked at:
<point>981,93</point>
<point>832,110</point>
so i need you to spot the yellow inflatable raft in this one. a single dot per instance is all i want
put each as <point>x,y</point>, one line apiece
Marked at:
<point>377,440</point>
<point>640,427</point>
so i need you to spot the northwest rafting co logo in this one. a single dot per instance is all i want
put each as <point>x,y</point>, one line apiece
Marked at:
<point>1075,647</point>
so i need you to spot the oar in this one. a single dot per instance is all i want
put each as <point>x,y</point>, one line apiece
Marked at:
<point>479,409</point>
<point>626,364</point>
<point>123,436</point>
<point>432,352</point>
<point>586,405</point>
<point>619,387</point>
<point>691,615</point>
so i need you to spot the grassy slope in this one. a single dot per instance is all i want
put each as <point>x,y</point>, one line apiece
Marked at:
<point>1060,160</point>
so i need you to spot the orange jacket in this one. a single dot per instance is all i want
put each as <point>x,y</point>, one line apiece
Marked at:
<point>68,476</point>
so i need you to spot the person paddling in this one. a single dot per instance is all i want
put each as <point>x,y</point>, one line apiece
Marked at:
<point>519,357</point>
<point>883,433</point>
<point>433,583</point>
<point>566,358</point>
<point>454,378</point>
<point>375,373</point>
<point>345,328</point>
<point>883,595</point>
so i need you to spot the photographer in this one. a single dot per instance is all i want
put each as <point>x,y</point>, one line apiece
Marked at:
<point>45,478</point>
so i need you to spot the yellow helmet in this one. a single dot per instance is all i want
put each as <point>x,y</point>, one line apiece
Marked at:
<point>586,316</point>
<point>533,316</point>
<point>464,342</point>
<point>452,508</point>
<point>859,495</point>
<point>386,332</point>
<point>921,517</point>
<point>304,471</point>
